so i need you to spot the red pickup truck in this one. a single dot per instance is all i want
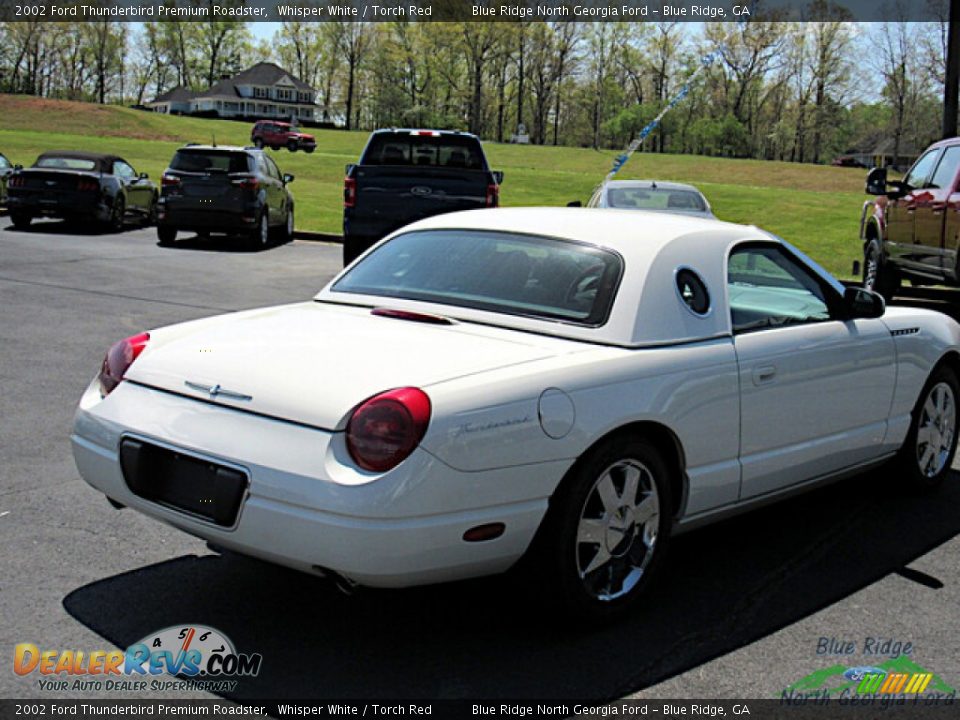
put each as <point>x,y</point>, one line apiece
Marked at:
<point>276,135</point>
<point>911,229</point>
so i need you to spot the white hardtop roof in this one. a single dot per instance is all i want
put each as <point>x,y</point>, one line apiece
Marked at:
<point>653,245</point>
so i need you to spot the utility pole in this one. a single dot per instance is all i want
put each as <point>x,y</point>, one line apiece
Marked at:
<point>951,85</point>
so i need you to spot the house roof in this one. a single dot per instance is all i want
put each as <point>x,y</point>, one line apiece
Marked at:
<point>177,94</point>
<point>264,73</point>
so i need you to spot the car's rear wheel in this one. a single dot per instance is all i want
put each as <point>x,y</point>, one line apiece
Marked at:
<point>927,453</point>
<point>260,236</point>
<point>606,529</point>
<point>879,276</point>
<point>21,220</point>
<point>117,214</point>
<point>166,235</point>
<point>258,143</point>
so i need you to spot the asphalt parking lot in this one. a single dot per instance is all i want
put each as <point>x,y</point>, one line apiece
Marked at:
<point>738,613</point>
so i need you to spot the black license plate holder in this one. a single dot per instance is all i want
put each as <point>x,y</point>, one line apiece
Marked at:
<point>195,486</point>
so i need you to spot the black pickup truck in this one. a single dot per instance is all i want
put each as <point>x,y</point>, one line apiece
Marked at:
<point>407,175</point>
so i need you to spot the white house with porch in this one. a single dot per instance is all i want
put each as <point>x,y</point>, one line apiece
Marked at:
<point>264,91</point>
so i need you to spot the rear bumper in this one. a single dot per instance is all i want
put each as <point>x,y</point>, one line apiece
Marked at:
<point>305,508</point>
<point>58,205</point>
<point>188,216</point>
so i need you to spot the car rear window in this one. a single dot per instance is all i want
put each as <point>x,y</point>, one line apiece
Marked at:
<point>500,272</point>
<point>654,199</point>
<point>436,151</point>
<point>66,163</point>
<point>206,161</point>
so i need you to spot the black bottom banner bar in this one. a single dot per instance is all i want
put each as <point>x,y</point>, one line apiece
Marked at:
<point>854,708</point>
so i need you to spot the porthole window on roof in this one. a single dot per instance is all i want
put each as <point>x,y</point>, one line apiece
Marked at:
<point>693,291</point>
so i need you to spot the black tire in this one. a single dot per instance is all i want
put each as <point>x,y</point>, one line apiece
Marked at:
<point>353,247</point>
<point>117,215</point>
<point>878,275</point>
<point>21,220</point>
<point>309,149</point>
<point>594,556</point>
<point>259,238</point>
<point>258,143</point>
<point>927,453</point>
<point>166,235</point>
<point>288,226</point>
<point>292,146</point>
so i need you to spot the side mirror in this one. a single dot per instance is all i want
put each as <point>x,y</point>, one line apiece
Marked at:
<point>877,181</point>
<point>18,167</point>
<point>287,178</point>
<point>574,203</point>
<point>144,176</point>
<point>861,303</point>
<point>497,176</point>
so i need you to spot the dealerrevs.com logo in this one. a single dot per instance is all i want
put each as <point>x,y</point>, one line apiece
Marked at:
<point>200,657</point>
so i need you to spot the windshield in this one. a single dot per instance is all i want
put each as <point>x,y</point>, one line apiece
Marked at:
<point>495,271</point>
<point>442,151</point>
<point>4,163</point>
<point>655,199</point>
<point>65,163</point>
<point>209,161</point>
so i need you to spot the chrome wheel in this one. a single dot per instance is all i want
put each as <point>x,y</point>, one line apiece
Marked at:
<point>935,430</point>
<point>264,229</point>
<point>617,530</point>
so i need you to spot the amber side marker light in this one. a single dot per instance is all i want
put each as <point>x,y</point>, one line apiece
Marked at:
<point>480,533</point>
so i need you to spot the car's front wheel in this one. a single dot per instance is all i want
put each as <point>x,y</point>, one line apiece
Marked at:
<point>927,453</point>
<point>258,143</point>
<point>879,276</point>
<point>606,529</point>
<point>288,226</point>
<point>292,146</point>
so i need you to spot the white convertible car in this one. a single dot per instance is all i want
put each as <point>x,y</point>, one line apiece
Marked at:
<point>574,384</point>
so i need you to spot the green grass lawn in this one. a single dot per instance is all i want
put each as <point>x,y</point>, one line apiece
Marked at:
<point>816,208</point>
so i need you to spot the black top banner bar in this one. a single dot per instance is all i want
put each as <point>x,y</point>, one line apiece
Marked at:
<point>471,10</point>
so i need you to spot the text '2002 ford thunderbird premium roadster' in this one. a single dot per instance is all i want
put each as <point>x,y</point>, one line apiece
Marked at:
<point>480,386</point>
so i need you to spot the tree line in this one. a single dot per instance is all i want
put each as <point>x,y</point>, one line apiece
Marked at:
<point>796,91</point>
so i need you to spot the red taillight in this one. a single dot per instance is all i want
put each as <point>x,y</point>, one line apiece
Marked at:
<point>247,183</point>
<point>87,185</point>
<point>349,192</point>
<point>119,358</point>
<point>169,180</point>
<point>385,429</point>
<point>493,195</point>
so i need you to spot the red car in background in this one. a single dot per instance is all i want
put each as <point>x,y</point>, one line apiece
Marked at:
<point>275,134</point>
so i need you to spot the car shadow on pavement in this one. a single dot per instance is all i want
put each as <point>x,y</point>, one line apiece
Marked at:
<point>722,588</point>
<point>79,228</point>
<point>218,243</point>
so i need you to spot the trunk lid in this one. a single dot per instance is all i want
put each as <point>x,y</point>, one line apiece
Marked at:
<point>313,362</point>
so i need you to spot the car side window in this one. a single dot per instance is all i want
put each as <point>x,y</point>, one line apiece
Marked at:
<point>262,165</point>
<point>922,169</point>
<point>767,288</point>
<point>122,170</point>
<point>946,170</point>
<point>272,168</point>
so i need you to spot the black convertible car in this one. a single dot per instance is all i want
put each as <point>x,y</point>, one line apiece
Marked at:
<point>81,186</point>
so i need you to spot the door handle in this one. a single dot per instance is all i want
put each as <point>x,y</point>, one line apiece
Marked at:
<point>764,374</point>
